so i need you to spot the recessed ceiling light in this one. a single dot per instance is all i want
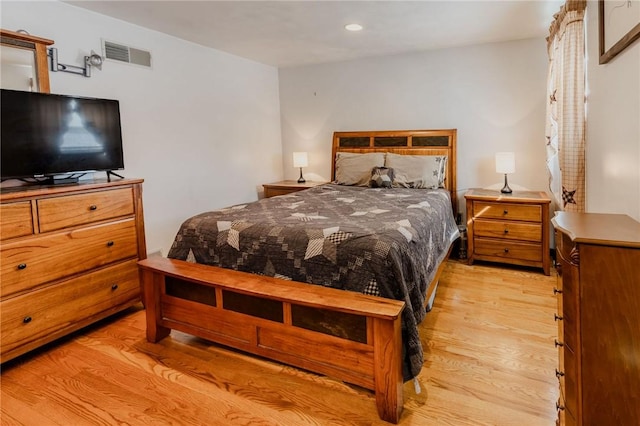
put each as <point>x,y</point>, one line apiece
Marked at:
<point>353,27</point>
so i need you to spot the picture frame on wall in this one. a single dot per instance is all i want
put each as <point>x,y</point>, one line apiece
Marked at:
<point>619,26</point>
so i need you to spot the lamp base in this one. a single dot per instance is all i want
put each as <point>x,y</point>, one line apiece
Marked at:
<point>301,179</point>
<point>506,189</point>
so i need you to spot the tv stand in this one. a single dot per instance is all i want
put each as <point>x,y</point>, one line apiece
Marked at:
<point>51,180</point>
<point>111,172</point>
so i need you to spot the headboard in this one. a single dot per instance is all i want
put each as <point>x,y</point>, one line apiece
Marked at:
<point>404,142</point>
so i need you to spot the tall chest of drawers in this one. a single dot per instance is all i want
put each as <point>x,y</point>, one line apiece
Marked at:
<point>598,291</point>
<point>68,257</point>
<point>509,228</point>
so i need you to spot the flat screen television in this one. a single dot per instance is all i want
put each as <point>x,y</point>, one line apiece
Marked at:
<point>45,135</point>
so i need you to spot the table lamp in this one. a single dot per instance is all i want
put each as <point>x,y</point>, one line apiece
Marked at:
<point>505,163</point>
<point>300,160</point>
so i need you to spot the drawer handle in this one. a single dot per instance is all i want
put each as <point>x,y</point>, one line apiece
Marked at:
<point>559,373</point>
<point>22,266</point>
<point>26,320</point>
<point>559,407</point>
<point>556,317</point>
<point>556,291</point>
<point>93,207</point>
<point>110,243</point>
<point>114,287</point>
<point>506,250</point>
<point>506,211</point>
<point>557,343</point>
<point>506,231</point>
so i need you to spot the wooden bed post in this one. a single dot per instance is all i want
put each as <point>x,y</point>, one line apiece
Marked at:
<point>387,364</point>
<point>152,283</point>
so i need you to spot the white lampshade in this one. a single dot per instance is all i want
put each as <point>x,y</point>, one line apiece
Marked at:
<point>505,162</point>
<point>300,159</point>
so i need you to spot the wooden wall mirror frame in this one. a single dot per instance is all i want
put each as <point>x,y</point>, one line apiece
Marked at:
<point>39,47</point>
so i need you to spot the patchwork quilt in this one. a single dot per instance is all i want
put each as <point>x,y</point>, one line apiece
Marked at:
<point>385,242</point>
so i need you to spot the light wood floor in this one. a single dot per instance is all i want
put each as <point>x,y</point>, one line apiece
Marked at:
<point>490,360</point>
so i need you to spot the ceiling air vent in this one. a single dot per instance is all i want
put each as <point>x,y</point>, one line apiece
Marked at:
<point>130,55</point>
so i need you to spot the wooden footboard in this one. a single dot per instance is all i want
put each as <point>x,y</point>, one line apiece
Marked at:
<point>350,336</point>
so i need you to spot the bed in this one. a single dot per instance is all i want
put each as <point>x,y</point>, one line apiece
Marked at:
<point>239,276</point>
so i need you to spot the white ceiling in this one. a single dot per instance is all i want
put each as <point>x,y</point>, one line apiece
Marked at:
<point>293,33</point>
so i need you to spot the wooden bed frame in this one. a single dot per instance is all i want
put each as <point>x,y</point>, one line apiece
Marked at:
<point>278,319</point>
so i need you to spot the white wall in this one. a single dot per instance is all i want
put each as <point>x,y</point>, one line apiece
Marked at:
<point>613,127</point>
<point>202,127</point>
<point>494,94</point>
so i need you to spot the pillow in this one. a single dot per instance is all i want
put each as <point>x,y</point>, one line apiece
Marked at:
<point>381,177</point>
<point>418,171</point>
<point>355,169</point>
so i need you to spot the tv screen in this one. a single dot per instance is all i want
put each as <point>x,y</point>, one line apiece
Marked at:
<point>44,134</point>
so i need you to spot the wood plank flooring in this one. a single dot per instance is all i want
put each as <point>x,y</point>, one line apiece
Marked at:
<point>489,360</point>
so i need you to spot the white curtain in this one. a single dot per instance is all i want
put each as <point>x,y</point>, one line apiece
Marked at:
<point>565,124</point>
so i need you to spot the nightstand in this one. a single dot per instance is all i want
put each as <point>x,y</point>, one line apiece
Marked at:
<point>287,187</point>
<point>509,228</point>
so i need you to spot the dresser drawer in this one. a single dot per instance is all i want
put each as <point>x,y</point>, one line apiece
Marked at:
<point>569,323</point>
<point>26,264</point>
<point>565,418</point>
<point>569,419</point>
<point>560,420</point>
<point>487,210</point>
<point>43,314</point>
<point>560,340</point>
<point>570,382</point>
<point>569,302</point>
<point>507,249</point>
<point>62,212</point>
<point>559,317</point>
<point>508,230</point>
<point>16,220</point>
<point>561,404</point>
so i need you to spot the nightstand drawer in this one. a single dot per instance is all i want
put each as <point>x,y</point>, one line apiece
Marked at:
<point>286,187</point>
<point>488,210</point>
<point>507,249</point>
<point>274,192</point>
<point>508,230</point>
<point>62,212</point>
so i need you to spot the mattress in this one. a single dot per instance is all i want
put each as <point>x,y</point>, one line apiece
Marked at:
<point>385,242</point>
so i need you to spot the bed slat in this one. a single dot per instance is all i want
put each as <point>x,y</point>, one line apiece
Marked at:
<point>388,141</point>
<point>431,141</point>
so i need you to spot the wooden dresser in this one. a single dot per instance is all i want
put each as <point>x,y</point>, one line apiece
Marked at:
<point>509,228</point>
<point>598,263</point>
<point>68,258</point>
